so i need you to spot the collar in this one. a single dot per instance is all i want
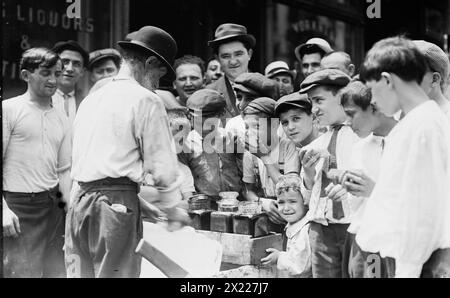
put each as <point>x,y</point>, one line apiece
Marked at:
<point>60,93</point>
<point>293,229</point>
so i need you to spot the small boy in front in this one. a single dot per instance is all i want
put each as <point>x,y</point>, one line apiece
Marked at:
<point>296,260</point>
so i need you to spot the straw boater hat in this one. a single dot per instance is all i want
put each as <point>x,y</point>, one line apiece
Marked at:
<point>318,43</point>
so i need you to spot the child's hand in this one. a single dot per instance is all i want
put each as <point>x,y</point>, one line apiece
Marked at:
<point>336,192</point>
<point>272,258</point>
<point>358,183</point>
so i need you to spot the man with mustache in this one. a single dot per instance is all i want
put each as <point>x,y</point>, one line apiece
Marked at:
<point>36,165</point>
<point>74,59</point>
<point>189,71</point>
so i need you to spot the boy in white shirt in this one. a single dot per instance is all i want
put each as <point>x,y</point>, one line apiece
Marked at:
<point>296,260</point>
<point>412,194</point>
<point>373,127</point>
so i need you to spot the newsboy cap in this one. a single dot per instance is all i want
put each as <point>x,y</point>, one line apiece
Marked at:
<point>256,84</point>
<point>318,43</point>
<point>71,45</point>
<point>295,100</point>
<point>102,54</point>
<point>155,41</point>
<point>264,105</point>
<point>325,77</point>
<point>229,32</point>
<point>206,102</point>
<point>436,58</point>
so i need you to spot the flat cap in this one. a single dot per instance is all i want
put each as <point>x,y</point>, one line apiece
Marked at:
<point>436,58</point>
<point>294,100</point>
<point>256,84</point>
<point>206,102</point>
<point>325,77</point>
<point>71,45</point>
<point>264,105</point>
<point>102,54</point>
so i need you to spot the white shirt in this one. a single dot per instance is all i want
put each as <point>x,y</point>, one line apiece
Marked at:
<point>236,127</point>
<point>366,156</point>
<point>408,215</point>
<point>36,145</point>
<point>122,130</point>
<point>320,208</point>
<point>58,100</point>
<point>296,260</point>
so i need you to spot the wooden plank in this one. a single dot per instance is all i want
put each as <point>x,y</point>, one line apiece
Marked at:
<point>243,249</point>
<point>169,267</point>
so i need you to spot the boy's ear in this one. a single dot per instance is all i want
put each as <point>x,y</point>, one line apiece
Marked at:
<point>388,79</point>
<point>436,79</point>
<point>24,74</point>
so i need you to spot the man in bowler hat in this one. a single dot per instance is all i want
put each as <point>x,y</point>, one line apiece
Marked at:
<point>121,133</point>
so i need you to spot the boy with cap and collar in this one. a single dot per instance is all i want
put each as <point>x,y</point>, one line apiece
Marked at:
<point>267,157</point>
<point>233,48</point>
<point>214,159</point>
<point>75,59</point>
<point>296,119</point>
<point>249,86</point>
<point>412,194</point>
<point>329,209</point>
<point>129,139</point>
<point>104,63</point>
<point>280,73</point>
<point>311,53</point>
<point>436,79</point>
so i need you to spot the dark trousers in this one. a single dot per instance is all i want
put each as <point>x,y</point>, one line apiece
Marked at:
<point>101,240</point>
<point>327,246</point>
<point>360,264</point>
<point>38,251</point>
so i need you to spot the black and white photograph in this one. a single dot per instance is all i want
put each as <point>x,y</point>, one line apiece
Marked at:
<point>225,144</point>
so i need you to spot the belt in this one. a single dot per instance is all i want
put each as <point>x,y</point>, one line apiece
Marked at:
<point>111,183</point>
<point>54,190</point>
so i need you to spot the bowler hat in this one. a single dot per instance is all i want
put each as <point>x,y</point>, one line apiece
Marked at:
<point>102,54</point>
<point>278,67</point>
<point>206,102</point>
<point>319,43</point>
<point>71,45</point>
<point>156,41</point>
<point>325,77</point>
<point>229,32</point>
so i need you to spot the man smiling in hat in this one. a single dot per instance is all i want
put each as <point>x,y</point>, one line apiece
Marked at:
<point>234,49</point>
<point>112,151</point>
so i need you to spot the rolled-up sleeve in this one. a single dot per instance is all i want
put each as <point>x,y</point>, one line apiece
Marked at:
<point>156,145</point>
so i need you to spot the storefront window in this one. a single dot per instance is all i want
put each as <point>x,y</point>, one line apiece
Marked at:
<point>35,23</point>
<point>293,26</point>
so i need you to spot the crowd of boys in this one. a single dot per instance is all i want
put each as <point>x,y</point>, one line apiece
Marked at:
<point>354,167</point>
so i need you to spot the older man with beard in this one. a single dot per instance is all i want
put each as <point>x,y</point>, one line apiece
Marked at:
<point>121,133</point>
